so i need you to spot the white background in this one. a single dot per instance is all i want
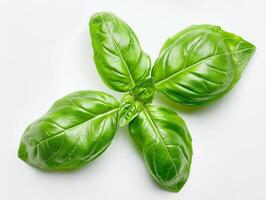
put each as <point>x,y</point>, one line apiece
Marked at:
<point>45,53</point>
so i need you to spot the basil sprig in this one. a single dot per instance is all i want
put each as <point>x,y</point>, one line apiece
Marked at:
<point>196,66</point>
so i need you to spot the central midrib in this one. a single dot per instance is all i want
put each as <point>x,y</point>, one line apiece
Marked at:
<point>158,134</point>
<point>118,50</point>
<point>195,64</point>
<point>78,125</point>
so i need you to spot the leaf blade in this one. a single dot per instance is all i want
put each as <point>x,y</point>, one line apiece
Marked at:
<point>78,126</point>
<point>118,56</point>
<point>205,59</point>
<point>165,143</point>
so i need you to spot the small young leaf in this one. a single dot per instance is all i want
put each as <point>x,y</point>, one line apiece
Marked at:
<point>144,92</point>
<point>129,109</point>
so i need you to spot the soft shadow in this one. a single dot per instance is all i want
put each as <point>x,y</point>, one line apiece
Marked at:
<point>126,136</point>
<point>191,109</point>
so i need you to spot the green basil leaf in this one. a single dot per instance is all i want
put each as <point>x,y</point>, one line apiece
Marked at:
<point>165,143</point>
<point>200,64</point>
<point>74,131</point>
<point>144,92</point>
<point>129,109</point>
<point>118,56</point>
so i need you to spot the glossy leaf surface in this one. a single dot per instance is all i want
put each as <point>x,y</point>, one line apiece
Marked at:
<point>117,53</point>
<point>74,131</point>
<point>165,143</point>
<point>200,64</point>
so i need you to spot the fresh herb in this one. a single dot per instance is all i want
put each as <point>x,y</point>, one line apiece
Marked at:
<point>195,66</point>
